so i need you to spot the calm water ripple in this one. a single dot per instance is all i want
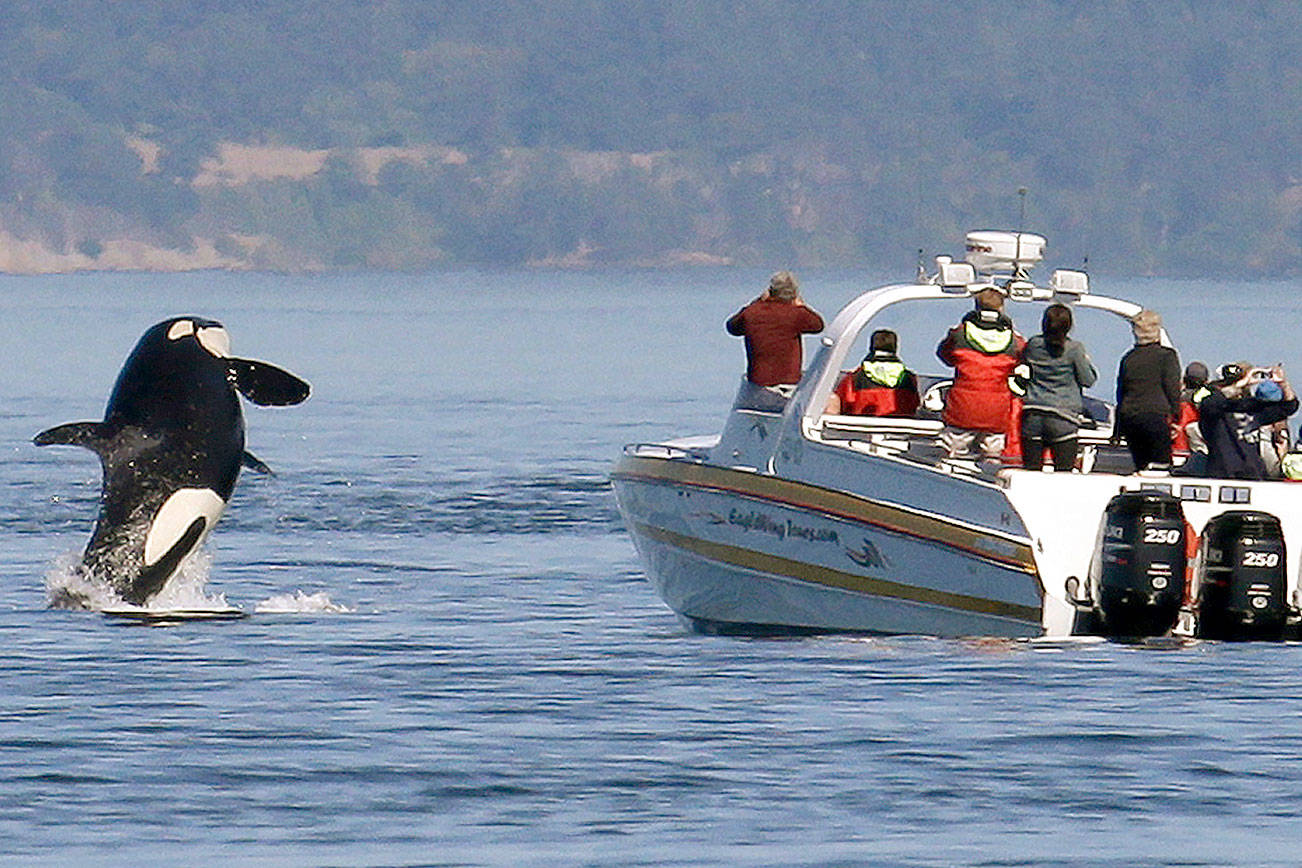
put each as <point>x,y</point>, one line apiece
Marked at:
<point>504,687</point>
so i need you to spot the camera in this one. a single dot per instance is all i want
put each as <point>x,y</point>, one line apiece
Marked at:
<point>1256,375</point>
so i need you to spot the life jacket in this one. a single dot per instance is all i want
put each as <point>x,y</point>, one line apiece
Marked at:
<point>881,386</point>
<point>983,350</point>
<point>1012,454</point>
<point>1188,414</point>
<point>1189,401</point>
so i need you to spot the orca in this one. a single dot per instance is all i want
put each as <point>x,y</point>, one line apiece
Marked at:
<point>171,446</point>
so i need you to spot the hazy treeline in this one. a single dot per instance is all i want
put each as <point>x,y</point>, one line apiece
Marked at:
<point>1162,137</point>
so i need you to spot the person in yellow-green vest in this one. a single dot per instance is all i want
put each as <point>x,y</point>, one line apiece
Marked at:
<point>983,349</point>
<point>880,386</point>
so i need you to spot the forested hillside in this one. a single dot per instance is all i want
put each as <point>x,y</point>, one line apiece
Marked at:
<point>1157,137</point>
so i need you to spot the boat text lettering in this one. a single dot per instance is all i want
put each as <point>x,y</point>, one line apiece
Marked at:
<point>756,520</point>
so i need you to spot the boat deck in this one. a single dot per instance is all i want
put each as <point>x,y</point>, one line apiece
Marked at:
<point>917,440</point>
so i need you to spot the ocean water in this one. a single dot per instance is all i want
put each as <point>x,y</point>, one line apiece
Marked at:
<point>452,656</point>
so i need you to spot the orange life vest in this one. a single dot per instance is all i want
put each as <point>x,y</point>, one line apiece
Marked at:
<point>983,357</point>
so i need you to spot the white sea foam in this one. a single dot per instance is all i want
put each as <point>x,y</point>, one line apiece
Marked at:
<point>188,588</point>
<point>68,587</point>
<point>299,602</point>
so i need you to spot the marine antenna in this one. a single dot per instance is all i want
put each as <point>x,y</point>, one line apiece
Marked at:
<point>1018,271</point>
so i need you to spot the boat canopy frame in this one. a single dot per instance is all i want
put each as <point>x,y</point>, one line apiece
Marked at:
<point>842,334</point>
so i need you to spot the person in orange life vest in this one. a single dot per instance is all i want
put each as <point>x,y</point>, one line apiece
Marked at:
<point>1186,439</point>
<point>880,386</point>
<point>772,325</point>
<point>983,349</point>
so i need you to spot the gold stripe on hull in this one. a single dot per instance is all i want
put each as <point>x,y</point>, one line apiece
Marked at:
<point>779,566</point>
<point>1010,553</point>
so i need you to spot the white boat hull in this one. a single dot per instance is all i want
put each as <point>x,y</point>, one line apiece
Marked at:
<point>737,551</point>
<point>804,519</point>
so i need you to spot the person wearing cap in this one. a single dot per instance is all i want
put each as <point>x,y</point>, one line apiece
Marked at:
<point>1194,382</point>
<point>982,349</point>
<point>1186,439</point>
<point>1148,394</point>
<point>772,325</point>
<point>880,386</point>
<point>1234,413</point>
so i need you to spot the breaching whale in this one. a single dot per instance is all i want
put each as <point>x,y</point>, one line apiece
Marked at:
<point>171,446</point>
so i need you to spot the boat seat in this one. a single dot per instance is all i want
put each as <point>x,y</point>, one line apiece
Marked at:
<point>837,427</point>
<point>911,439</point>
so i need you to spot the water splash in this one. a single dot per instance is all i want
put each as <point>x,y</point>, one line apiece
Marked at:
<point>68,587</point>
<point>188,588</point>
<point>298,603</point>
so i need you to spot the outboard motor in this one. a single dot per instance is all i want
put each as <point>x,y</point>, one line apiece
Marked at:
<point>1242,580</point>
<point>1141,561</point>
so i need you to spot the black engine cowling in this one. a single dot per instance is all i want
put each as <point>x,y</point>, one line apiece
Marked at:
<point>1140,582</point>
<point>1242,579</point>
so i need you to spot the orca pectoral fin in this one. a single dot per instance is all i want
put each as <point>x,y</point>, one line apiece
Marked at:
<point>252,462</point>
<point>266,384</point>
<point>152,578</point>
<point>91,435</point>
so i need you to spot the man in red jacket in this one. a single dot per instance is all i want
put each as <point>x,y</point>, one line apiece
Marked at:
<point>983,349</point>
<point>772,325</point>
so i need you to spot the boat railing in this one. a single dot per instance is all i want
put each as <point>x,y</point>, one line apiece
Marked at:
<point>918,440</point>
<point>900,426</point>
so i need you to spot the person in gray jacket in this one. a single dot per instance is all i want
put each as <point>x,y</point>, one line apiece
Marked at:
<point>1054,371</point>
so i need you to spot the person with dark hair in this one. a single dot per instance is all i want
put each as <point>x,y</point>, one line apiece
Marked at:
<point>983,350</point>
<point>1148,394</point>
<point>880,386</point>
<point>1055,371</point>
<point>772,325</point>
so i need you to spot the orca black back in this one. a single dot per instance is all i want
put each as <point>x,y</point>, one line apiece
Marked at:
<point>171,445</point>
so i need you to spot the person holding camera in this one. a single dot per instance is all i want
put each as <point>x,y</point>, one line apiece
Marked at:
<point>772,325</point>
<point>1244,402</point>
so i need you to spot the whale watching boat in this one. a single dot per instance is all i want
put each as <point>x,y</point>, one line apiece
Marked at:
<point>801,520</point>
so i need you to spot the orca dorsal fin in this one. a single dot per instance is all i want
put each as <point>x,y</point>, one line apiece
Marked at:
<point>252,462</point>
<point>266,384</point>
<point>91,435</point>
